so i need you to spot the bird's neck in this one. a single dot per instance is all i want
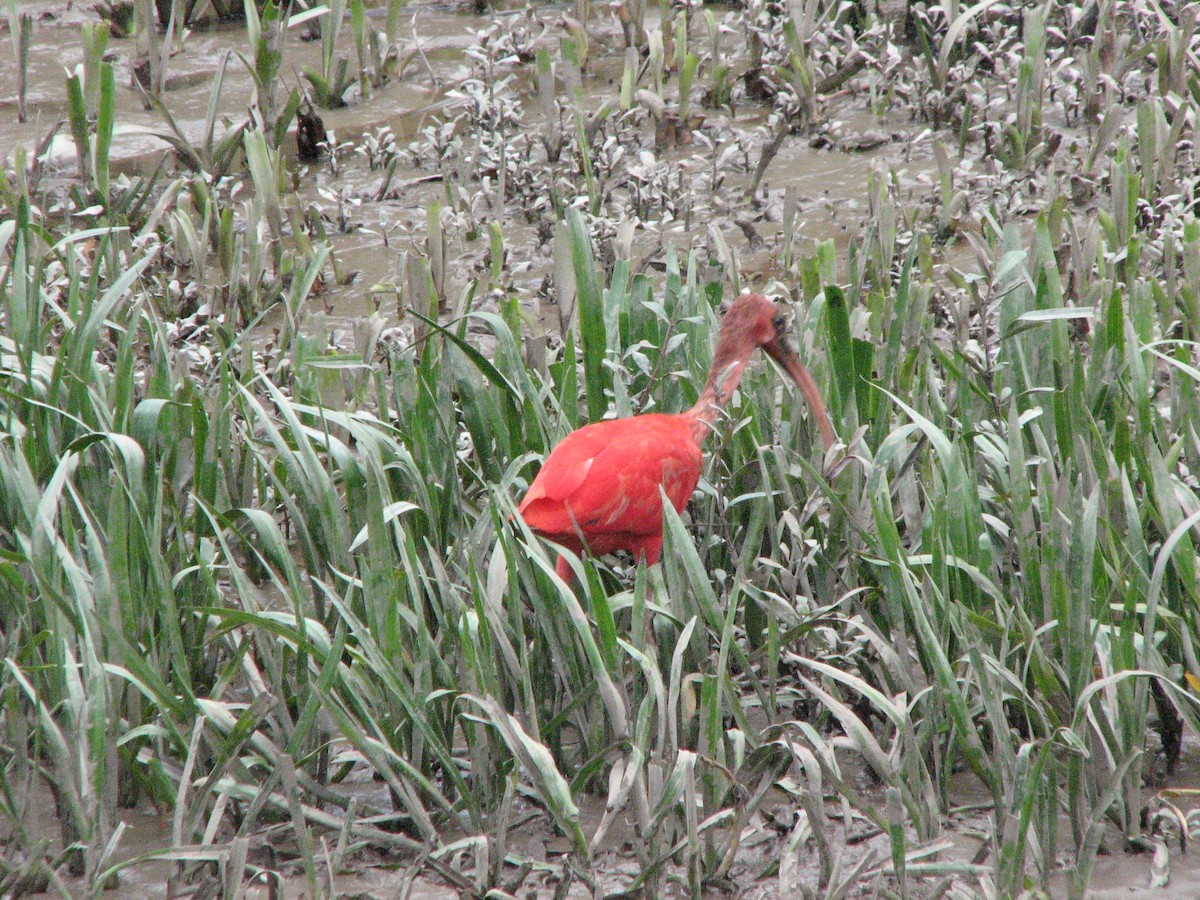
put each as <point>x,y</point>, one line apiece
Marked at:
<point>729,363</point>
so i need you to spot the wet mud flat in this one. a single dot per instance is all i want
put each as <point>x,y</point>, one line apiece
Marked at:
<point>819,183</point>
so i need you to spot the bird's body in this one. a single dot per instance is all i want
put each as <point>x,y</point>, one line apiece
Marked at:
<point>598,491</point>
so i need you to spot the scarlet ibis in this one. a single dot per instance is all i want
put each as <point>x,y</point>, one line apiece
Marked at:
<point>599,489</point>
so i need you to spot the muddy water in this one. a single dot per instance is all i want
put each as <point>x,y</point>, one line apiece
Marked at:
<point>831,198</point>
<point>830,186</point>
<point>57,48</point>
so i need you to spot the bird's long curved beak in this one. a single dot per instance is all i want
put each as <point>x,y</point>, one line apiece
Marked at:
<point>780,351</point>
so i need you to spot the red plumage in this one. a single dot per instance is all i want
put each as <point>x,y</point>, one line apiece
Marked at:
<point>598,491</point>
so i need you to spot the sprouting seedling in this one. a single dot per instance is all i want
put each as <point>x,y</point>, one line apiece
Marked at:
<point>266,173</point>
<point>1175,59</point>
<point>720,90</point>
<point>952,202</point>
<point>20,29</point>
<point>551,130</point>
<point>362,44</point>
<point>680,42</point>
<point>959,23</point>
<point>800,71</point>
<point>687,74</point>
<point>629,77</point>
<point>1030,82</point>
<point>657,61</point>
<point>579,30</point>
<point>330,84</point>
<point>93,155</point>
<point>95,41</point>
<point>572,71</point>
<point>265,33</point>
<point>379,148</point>
<point>496,253</point>
<point>335,150</point>
<point>435,247</point>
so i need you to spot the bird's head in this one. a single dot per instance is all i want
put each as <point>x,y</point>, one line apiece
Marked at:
<point>752,321</point>
<point>755,321</point>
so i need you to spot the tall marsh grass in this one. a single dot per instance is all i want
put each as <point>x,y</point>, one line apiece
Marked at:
<point>231,593</point>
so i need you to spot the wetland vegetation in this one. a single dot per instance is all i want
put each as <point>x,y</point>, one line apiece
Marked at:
<point>294,300</point>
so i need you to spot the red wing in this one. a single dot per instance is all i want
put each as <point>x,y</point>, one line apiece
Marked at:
<point>569,462</point>
<point>605,478</point>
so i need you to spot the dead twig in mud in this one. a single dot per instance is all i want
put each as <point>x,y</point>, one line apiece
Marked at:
<point>420,50</point>
<point>753,238</point>
<point>447,872</point>
<point>387,192</point>
<point>849,69</point>
<point>770,149</point>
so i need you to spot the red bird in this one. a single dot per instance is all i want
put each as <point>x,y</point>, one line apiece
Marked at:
<point>599,489</point>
